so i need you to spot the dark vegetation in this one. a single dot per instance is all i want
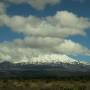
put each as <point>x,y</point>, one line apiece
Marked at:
<point>44,77</point>
<point>44,84</point>
<point>44,71</point>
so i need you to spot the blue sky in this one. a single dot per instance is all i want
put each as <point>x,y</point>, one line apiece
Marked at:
<point>81,8</point>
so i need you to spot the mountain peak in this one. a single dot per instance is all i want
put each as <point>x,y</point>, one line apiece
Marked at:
<point>45,59</point>
<point>53,58</point>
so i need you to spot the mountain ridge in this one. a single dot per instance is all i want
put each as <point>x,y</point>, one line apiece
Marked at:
<point>45,59</point>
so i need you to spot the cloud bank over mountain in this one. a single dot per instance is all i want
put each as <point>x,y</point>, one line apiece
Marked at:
<point>43,35</point>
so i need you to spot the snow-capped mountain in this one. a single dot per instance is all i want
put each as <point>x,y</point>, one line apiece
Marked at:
<point>47,59</point>
<point>44,59</point>
<point>44,66</point>
<point>53,59</point>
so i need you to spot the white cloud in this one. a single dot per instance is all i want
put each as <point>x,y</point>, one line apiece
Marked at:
<point>37,4</point>
<point>39,42</point>
<point>70,47</point>
<point>44,36</point>
<point>33,47</point>
<point>53,45</point>
<point>63,24</point>
<point>2,8</point>
<point>13,52</point>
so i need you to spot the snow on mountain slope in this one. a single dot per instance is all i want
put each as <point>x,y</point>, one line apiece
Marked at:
<point>52,58</point>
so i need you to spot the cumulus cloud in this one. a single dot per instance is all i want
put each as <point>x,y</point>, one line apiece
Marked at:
<point>44,49</point>
<point>70,47</point>
<point>28,55</point>
<point>11,52</point>
<point>2,8</point>
<point>34,48</point>
<point>39,42</point>
<point>62,24</point>
<point>37,4</point>
<point>44,36</point>
<point>53,45</point>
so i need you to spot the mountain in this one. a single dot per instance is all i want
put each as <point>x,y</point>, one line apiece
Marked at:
<point>44,66</point>
<point>41,70</point>
<point>53,59</point>
<point>47,59</point>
